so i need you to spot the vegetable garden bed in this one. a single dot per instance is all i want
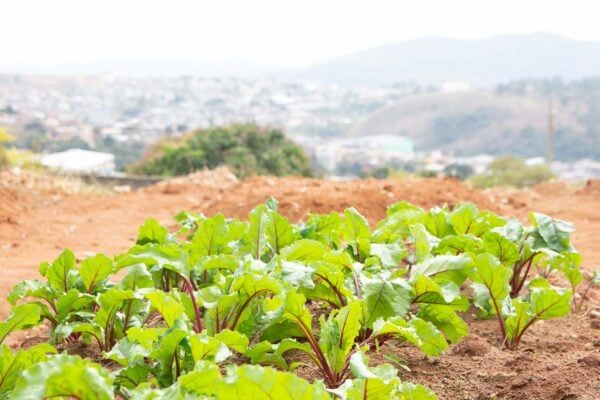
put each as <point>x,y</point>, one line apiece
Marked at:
<point>230,309</point>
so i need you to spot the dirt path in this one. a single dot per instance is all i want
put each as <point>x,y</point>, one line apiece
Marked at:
<point>559,360</point>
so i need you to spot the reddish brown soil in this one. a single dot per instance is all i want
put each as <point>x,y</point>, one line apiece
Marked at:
<point>557,359</point>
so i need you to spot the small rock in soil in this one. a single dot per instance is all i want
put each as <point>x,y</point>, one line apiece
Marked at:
<point>521,383</point>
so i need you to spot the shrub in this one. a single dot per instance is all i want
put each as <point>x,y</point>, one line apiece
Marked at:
<point>511,171</point>
<point>246,148</point>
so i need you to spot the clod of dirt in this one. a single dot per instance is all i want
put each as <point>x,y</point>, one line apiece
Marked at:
<point>592,187</point>
<point>520,362</point>
<point>216,179</point>
<point>590,361</point>
<point>472,345</point>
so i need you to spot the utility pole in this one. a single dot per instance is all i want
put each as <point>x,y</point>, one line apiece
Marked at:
<point>549,144</point>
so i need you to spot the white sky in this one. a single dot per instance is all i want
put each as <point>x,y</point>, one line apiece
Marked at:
<point>263,32</point>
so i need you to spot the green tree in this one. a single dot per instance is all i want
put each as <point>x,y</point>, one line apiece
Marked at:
<point>247,149</point>
<point>512,171</point>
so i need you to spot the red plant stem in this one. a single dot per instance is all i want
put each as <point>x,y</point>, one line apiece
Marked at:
<point>324,366</point>
<point>243,307</point>
<point>521,282</point>
<point>339,294</point>
<point>198,326</point>
<point>500,320</point>
<point>517,340</point>
<point>585,293</point>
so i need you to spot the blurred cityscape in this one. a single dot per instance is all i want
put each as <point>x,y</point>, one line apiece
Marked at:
<point>123,117</point>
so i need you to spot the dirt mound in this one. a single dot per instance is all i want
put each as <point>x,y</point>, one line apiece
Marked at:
<point>9,206</point>
<point>299,197</point>
<point>472,345</point>
<point>217,178</point>
<point>592,187</point>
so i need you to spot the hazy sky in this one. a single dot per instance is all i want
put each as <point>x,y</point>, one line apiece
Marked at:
<point>36,33</point>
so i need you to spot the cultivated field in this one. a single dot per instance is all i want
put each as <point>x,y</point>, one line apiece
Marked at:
<point>557,359</point>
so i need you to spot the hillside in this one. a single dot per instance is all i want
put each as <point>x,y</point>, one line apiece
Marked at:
<point>483,61</point>
<point>491,122</point>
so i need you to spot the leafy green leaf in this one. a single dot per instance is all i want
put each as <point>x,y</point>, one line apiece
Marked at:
<point>255,235</point>
<point>71,302</point>
<point>550,303</point>
<point>445,267</point>
<point>165,354</point>
<point>211,237</point>
<point>12,366</point>
<point>94,270</point>
<point>323,228</point>
<point>411,391</point>
<point>424,241</point>
<point>390,254</point>
<point>167,306</point>
<point>355,230</point>
<point>304,250</point>
<point>427,291</point>
<point>59,271</point>
<point>498,245</point>
<point>30,288</point>
<point>137,277</point>
<point>445,320</point>
<point>152,232</point>
<point>86,380</point>
<point>385,298</point>
<point>457,244</point>
<point>436,222</point>
<point>491,282</point>
<point>464,219</point>
<point>556,233</point>
<point>338,333</point>
<point>279,232</point>
<point>21,316</point>
<point>423,334</point>
<point>169,256</point>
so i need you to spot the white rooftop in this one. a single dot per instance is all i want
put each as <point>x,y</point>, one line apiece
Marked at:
<point>78,160</point>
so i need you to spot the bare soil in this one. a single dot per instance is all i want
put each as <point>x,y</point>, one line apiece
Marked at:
<point>559,359</point>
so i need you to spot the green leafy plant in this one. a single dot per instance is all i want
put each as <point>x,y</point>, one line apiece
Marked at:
<point>516,315</point>
<point>46,379</point>
<point>181,314</point>
<point>332,348</point>
<point>13,365</point>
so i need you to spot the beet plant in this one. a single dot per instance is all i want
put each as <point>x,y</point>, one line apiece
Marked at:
<point>184,314</point>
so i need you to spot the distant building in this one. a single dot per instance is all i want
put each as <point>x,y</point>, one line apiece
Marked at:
<point>81,161</point>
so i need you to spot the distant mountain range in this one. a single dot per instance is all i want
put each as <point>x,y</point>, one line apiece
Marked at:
<point>484,61</point>
<point>512,119</point>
